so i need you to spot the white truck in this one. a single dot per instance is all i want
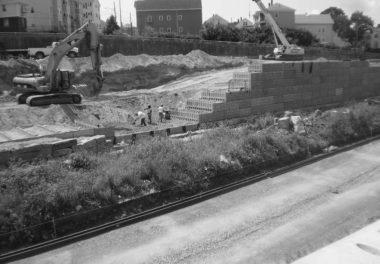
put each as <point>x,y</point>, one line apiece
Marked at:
<point>40,53</point>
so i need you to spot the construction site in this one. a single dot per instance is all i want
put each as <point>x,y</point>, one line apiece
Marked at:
<point>93,144</point>
<point>197,88</point>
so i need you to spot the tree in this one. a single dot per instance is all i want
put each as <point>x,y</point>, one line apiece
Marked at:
<point>361,24</point>
<point>111,26</point>
<point>341,22</point>
<point>300,37</point>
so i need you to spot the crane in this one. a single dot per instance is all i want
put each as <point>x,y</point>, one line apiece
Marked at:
<point>52,86</point>
<point>285,51</point>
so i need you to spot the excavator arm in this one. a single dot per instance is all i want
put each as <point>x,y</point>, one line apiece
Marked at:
<point>87,32</point>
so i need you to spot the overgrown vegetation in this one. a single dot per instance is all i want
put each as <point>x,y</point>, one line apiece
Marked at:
<point>257,35</point>
<point>35,193</point>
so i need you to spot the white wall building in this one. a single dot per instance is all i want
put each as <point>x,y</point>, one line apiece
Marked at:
<point>89,11</point>
<point>52,15</point>
<point>321,26</point>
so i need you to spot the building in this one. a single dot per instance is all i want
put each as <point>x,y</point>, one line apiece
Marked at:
<point>284,16</point>
<point>216,20</point>
<point>182,17</point>
<point>50,15</point>
<point>89,11</point>
<point>321,26</point>
<point>375,39</point>
<point>244,23</point>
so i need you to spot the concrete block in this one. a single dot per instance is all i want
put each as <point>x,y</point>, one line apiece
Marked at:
<point>219,107</point>
<point>244,104</point>
<point>62,152</point>
<point>284,123</point>
<point>193,127</point>
<point>245,112</point>
<point>108,132</point>
<point>63,144</point>
<point>123,138</point>
<point>5,156</point>
<point>84,133</point>
<point>160,133</point>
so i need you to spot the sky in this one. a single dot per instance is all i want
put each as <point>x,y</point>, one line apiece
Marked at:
<point>234,9</point>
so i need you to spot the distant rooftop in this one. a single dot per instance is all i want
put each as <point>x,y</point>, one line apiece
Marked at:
<point>314,19</point>
<point>216,19</point>
<point>280,7</point>
<point>145,5</point>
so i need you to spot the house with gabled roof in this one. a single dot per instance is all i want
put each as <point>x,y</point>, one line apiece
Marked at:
<point>284,15</point>
<point>216,20</point>
<point>182,17</point>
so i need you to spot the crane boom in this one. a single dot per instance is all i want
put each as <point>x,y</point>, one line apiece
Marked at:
<point>272,22</point>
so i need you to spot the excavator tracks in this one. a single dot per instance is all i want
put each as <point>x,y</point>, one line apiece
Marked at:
<point>55,98</point>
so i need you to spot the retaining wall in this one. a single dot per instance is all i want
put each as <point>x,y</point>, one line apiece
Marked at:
<point>288,85</point>
<point>165,46</point>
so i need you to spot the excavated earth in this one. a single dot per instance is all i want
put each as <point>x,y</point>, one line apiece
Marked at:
<point>131,84</point>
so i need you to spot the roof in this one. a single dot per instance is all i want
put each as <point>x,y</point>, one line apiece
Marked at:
<point>280,7</point>
<point>216,19</point>
<point>147,5</point>
<point>245,22</point>
<point>314,19</point>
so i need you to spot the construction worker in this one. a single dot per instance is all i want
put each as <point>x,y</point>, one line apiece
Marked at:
<point>161,112</point>
<point>140,115</point>
<point>149,112</point>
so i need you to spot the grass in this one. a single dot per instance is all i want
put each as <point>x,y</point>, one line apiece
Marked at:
<point>35,193</point>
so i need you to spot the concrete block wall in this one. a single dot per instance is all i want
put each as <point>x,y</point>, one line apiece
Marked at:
<point>36,149</point>
<point>280,86</point>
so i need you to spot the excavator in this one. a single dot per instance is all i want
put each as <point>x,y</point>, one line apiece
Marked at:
<point>53,86</point>
<point>285,51</point>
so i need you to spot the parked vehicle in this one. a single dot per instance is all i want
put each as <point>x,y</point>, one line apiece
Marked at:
<point>37,53</point>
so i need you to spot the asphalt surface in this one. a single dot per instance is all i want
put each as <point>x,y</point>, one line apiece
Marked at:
<point>278,220</point>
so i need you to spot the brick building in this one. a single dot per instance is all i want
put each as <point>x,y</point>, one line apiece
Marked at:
<point>182,17</point>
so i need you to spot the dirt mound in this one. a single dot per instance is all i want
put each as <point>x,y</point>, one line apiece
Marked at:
<point>23,116</point>
<point>11,68</point>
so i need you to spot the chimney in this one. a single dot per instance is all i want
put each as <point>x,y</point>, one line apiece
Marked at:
<point>271,2</point>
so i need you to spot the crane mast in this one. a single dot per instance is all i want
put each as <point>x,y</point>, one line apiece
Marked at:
<point>286,51</point>
<point>272,22</point>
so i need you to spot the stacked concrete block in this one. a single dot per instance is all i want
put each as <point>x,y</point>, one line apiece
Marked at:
<point>36,149</point>
<point>280,86</point>
<point>95,144</point>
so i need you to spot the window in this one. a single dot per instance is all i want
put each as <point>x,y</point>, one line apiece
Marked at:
<point>180,30</point>
<point>161,18</point>
<point>168,17</point>
<point>179,17</point>
<point>149,19</point>
<point>6,22</point>
<point>32,10</point>
<point>4,8</point>
<point>169,30</point>
<point>162,30</point>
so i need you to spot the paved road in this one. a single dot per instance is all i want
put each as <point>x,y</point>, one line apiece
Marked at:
<point>275,221</point>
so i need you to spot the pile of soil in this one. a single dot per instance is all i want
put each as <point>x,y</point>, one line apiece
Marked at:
<point>9,69</point>
<point>124,73</point>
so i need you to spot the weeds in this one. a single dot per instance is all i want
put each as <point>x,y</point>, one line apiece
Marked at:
<point>34,193</point>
